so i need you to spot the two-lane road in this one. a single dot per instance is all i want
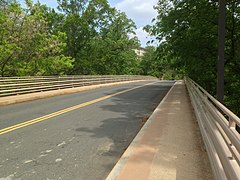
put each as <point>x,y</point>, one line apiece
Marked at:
<point>76,136</point>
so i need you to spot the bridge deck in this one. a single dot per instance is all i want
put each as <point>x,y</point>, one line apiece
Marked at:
<point>169,146</point>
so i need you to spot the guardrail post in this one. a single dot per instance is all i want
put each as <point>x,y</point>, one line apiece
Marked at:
<point>205,98</point>
<point>231,123</point>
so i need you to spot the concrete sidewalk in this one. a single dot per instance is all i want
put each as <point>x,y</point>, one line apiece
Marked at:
<point>169,146</point>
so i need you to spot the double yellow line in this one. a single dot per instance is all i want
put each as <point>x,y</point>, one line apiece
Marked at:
<point>57,113</point>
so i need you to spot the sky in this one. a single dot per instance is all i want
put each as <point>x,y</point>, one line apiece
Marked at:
<point>140,11</point>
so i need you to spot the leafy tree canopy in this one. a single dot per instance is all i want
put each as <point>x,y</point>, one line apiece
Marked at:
<point>187,31</point>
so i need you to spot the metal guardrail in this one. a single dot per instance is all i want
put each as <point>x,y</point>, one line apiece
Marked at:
<point>23,85</point>
<point>218,129</point>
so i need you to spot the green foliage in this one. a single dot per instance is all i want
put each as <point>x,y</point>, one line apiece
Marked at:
<point>148,63</point>
<point>26,47</point>
<point>112,50</point>
<point>187,31</point>
<point>87,37</point>
<point>157,62</point>
<point>98,38</point>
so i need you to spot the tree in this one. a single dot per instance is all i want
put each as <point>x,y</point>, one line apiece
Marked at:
<point>88,37</point>
<point>189,37</point>
<point>83,19</point>
<point>221,50</point>
<point>111,52</point>
<point>148,64</point>
<point>26,45</point>
<point>98,37</point>
<point>187,31</point>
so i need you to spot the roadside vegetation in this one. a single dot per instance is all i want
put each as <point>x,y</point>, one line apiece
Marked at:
<point>187,32</point>
<point>80,37</point>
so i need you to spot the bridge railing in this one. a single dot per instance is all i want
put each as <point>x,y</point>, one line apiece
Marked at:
<point>218,128</point>
<point>22,85</point>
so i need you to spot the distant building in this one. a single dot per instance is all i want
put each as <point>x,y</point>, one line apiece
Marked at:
<point>140,51</point>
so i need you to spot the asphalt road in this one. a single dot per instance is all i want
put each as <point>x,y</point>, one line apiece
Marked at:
<point>81,143</point>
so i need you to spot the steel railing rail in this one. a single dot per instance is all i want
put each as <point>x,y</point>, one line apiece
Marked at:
<point>27,84</point>
<point>218,128</point>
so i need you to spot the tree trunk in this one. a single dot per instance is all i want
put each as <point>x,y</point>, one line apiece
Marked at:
<point>221,45</point>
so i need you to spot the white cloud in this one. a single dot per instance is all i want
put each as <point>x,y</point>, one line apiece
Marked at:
<point>140,11</point>
<point>144,37</point>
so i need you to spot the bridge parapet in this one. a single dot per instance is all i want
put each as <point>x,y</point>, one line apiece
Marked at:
<point>218,128</point>
<point>30,84</point>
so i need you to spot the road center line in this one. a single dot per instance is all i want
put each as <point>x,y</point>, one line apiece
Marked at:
<point>57,113</point>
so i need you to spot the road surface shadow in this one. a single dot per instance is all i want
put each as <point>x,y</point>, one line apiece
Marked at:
<point>128,112</point>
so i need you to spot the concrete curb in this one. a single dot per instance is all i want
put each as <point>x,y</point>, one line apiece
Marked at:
<point>126,155</point>
<point>41,95</point>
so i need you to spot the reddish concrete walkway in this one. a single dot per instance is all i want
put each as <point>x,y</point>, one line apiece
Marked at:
<point>169,146</point>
